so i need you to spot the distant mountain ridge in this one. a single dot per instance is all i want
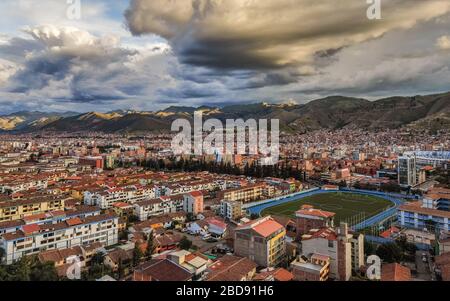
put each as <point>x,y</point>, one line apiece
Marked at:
<point>25,120</point>
<point>334,112</point>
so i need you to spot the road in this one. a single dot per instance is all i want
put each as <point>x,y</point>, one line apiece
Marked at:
<point>423,268</point>
<point>201,244</point>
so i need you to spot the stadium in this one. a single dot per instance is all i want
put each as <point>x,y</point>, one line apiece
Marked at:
<point>359,208</point>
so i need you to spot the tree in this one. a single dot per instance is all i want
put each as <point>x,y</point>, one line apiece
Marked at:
<point>29,268</point>
<point>406,246</point>
<point>369,248</point>
<point>254,216</point>
<point>137,254</point>
<point>44,272</point>
<point>190,217</point>
<point>151,247</point>
<point>185,243</point>
<point>390,252</point>
<point>97,258</point>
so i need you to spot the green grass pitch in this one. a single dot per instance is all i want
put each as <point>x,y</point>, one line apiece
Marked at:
<point>345,205</point>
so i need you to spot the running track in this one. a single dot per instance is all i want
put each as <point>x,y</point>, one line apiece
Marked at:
<point>394,198</point>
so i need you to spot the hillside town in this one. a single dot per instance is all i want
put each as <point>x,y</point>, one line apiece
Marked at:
<point>121,208</point>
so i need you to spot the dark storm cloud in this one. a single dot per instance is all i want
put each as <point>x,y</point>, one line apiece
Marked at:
<point>191,91</point>
<point>76,66</point>
<point>269,34</point>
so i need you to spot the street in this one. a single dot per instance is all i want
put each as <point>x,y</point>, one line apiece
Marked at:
<point>423,268</point>
<point>201,244</point>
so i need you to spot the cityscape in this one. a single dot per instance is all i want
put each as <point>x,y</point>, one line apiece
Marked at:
<point>295,166</point>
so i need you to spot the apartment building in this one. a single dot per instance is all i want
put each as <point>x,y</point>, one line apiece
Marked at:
<point>11,210</point>
<point>34,238</point>
<point>415,215</point>
<point>345,250</point>
<point>159,206</point>
<point>231,210</point>
<point>247,194</point>
<point>316,269</point>
<point>109,196</point>
<point>189,186</point>
<point>193,202</point>
<point>432,209</point>
<point>17,185</point>
<point>51,217</point>
<point>407,170</point>
<point>262,241</point>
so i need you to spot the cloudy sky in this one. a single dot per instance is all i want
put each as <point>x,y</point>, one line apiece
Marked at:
<point>150,54</point>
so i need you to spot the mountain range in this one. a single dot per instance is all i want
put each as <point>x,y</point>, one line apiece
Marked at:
<point>423,112</point>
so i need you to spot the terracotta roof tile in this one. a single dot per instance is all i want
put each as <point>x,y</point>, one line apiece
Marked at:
<point>395,272</point>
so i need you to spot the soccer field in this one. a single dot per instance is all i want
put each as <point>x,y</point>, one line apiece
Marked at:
<point>345,205</point>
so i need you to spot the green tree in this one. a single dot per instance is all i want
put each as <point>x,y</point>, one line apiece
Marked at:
<point>185,243</point>
<point>369,248</point>
<point>406,246</point>
<point>137,254</point>
<point>254,216</point>
<point>97,258</point>
<point>44,272</point>
<point>389,252</point>
<point>151,247</point>
<point>190,217</point>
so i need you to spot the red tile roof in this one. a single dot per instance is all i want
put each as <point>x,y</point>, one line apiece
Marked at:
<point>389,232</point>
<point>29,229</point>
<point>395,272</point>
<point>283,275</point>
<point>196,194</point>
<point>267,228</point>
<point>74,221</point>
<point>309,210</point>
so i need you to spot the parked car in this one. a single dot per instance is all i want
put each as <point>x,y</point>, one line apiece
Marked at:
<point>211,240</point>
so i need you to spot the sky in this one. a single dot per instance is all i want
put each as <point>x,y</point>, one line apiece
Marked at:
<point>152,54</point>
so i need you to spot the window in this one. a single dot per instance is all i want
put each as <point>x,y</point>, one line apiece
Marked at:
<point>330,244</point>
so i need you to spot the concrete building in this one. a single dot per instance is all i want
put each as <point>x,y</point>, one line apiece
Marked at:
<point>247,194</point>
<point>262,241</point>
<point>345,250</point>
<point>109,196</point>
<point>17,209</point>
<point>231,210</point>
<point>193,202</point>
<point>317,269</point>
<point>407,170</point>
<point>433,208</point>
<point>35,238</point>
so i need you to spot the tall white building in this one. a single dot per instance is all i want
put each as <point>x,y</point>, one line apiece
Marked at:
<point>407,171</point>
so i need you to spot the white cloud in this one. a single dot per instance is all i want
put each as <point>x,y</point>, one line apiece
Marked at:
<point>7,69</point>
<point>443,42</point>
